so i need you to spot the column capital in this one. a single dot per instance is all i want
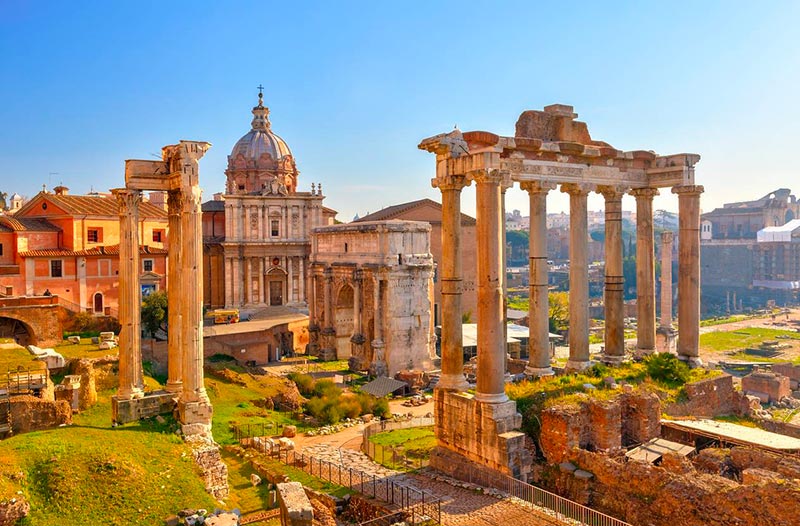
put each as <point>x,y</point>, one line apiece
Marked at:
<point>450,182</point>
<point>690,190</point>
<point>489,176</point>
<point>174,202</point>
<point>667,237</point>
<point>537,187</point>
<point>611,192</point>
<point>191,198</point>
<point>576,188</point>
<point>127,199</point>
<point>644,193</point>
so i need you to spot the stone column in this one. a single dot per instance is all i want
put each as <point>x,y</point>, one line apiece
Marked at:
<point>491,333</point>
<point>452,376</point>
<point>194,406</point>
<point>578,277</point>
<point>614,300</point>
<point>689,273</point>
<point>538,311</point>
<point>130,293</point>
<point>261,293</point>
<point>174,309</point>
<point>290,279</point>
<point>328,332</point>
<point>228,282</point>
<point>302,280</point>
<point>667,238</point>
<point>357,361</point>
<point>378,367</point>
<point>248,281</point>
<point>645,271</point>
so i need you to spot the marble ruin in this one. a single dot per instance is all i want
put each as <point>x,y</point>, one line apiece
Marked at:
<point>371,296</point>
<point>178,175</point>
<point>550,149</point>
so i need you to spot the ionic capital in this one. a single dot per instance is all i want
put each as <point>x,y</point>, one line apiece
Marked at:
<point>611,193</point>
<point>488,176</point>
<point>644,193</point>
<point>450,182</point>
<point>578,189</point>
<point>688,190</point>
<point>127,199</point>
<point>537,187</point>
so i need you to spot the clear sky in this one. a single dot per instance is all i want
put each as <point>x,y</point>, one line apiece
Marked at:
<point>354,86</point>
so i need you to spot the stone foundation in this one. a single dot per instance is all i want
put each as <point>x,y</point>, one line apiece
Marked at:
<point>152,404</point>
<point>29,413</point>
<point>213,470</point>
<point>710,398</point>
<point>769,387</point>
<point>789,370</point>
<point>666,340</point>
<point>483,434</point>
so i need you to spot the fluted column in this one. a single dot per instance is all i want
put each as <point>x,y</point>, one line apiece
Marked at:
<point>689,272</point>
<point>614,300</point>
<point>645,271</point>
<point>248,280</point>
<point>667,239</point>
<point>194,392</point>
<point>130,353</point>
<point>539,307</point>
<point>491,333</point>
<point>578,276</point>
<point>378,366</point>
<point>452,349</point>
<point>174,310</point>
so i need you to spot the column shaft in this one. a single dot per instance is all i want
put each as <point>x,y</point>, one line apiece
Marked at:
<point>357,303</point>
<point>689,272</point>
<point>615,284</point>
<point>666,279</point>
<point>578,277</point>
<point>539,306</point>
<point>491,333</point>
<point>248,280</point>
<point>130,353</point>
<point>290,279</point>
<point>645,271</point>
<point>452,350</point>
<point>261,293</point>
<point>174,310</point>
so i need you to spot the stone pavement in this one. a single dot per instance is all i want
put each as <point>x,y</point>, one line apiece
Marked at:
<point>461,506</point>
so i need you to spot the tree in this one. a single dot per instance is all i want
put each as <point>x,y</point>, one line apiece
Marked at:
<point>154,311</point>
<point>558,311</point>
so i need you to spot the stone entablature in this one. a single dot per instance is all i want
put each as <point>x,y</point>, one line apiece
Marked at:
<point>372,288</point>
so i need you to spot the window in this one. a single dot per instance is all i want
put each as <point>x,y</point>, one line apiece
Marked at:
<point>94,235</point>
<point>55,268</point>
<point>158,236</point>
<point>275,227</point>
<point>147,265</point>
<point>1,249</point>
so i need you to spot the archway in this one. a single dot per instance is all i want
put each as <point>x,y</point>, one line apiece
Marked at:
<point>276,287</point>
<point>344,321</point>
<point>97,303</point>
<point>789,216</point>
<point>17,331</point>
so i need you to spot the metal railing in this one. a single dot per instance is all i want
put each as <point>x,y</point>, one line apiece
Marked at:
<point>542,498</point>
<point>259,429</point>
<point>392,456</point>
<point>424,505</point>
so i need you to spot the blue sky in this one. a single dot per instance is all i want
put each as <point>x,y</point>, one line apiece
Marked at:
<point>354,86</point>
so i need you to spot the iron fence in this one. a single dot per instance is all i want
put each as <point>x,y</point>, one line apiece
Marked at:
<point>258,429</point>
<point>389,456</point>
<point>422,504</point>
<point>542,498</point>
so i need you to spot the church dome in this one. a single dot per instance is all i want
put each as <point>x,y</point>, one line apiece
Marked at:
<point>260,139</point>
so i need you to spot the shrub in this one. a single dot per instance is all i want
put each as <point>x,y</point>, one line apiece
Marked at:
<point>665,367</point>
<point>326,388</point>
<point>304,382</point>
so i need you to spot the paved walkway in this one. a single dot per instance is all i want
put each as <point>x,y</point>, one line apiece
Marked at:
<point>461,506</point>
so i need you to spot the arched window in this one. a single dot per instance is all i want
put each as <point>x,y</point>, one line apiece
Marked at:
<point>98,302</point>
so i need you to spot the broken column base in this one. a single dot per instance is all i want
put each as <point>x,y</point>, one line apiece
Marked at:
<point>666,340</point>
<point>692,361</point>
<point>125,410</point>
<point>195,417</point>
<point>613,359</point>
<point>574,366</point>
<point>483,434</point>
<point>538,372</point>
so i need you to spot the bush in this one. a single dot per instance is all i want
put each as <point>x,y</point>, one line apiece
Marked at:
<point>304,382</point>
<point>665,367</point>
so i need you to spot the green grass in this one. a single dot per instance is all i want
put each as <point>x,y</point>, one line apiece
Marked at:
<point>244,495</point>
<point>11,359</point>
<point>298,475</point>
<point>710,322</point>
<point>85,349</point>
<point>741,339</point>
<point>411,439</point>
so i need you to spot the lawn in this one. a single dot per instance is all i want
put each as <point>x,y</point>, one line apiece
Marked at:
<point>413,439</point>
<point>750,337</point>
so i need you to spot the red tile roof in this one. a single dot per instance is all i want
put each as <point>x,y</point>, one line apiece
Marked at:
<point>109,250</point>
<point>93,205</point>
<point>21,224</point>
<point>394,212</point>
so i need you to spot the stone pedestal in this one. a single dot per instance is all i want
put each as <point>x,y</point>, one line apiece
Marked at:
<point>469,431</point>
<point>666,340</point>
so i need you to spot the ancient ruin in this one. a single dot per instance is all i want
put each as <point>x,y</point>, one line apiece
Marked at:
<point>550,148</point>
<point>178,175</point>
<point>371,295</point>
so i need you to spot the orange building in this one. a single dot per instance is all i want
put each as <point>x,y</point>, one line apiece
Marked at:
<point>68,245</point>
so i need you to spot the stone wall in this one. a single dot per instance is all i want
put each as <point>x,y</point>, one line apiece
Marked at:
<point>631,418</point>
<point>152,404</point>
<point>213,470</point>
<point>788,370</point>
<point>769,387</point>
<point>97,374</point>
<point>675,493</point>
<point>296,509</point>
<point>709,398</point>
<point>12,511</point>
<point>29,413</point>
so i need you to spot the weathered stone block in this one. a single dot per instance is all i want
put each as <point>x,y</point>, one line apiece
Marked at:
<point>775,386</point>
<point>152,404</point>
<point>296,509</point>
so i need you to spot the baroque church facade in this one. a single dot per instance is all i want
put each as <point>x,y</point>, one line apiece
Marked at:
<point>257,234</point>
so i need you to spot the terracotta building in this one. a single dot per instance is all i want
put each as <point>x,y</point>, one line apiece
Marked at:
<point>68,245</point>
<point>257,235</point>
<point>430,212</point>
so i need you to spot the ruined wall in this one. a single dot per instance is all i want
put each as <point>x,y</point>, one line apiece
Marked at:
<point>709,398</point>
<point>769,387</point>
<point>97,374</point>
<point>12,511</point>
<point>788,370</point>
<point>29,413</point>
<point>213,470</point>
<point>641,417</point>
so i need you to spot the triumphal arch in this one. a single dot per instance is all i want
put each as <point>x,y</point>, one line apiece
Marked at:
<point>178,175</point>
<point>549,150</point>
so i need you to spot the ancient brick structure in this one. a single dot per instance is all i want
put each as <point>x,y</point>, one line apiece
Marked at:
<point>769,387</point>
